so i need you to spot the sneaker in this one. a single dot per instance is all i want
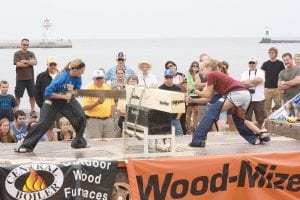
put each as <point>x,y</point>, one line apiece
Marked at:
<point>22,150</point>
<point>264,137</point>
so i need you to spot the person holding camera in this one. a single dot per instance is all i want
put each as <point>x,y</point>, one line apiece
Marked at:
<point>254,79</point>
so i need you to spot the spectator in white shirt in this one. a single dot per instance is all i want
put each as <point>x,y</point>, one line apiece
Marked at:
<point>145,78</point>
<point>254,79</point>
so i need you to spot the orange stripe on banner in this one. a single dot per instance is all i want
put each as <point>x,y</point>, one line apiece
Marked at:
<point>243,176</point>
<point>135,195</point>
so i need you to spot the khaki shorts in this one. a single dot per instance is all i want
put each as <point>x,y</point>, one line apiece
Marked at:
<point>258,107</point>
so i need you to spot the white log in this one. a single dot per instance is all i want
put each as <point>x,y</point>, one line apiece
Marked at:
<point>157,99</point>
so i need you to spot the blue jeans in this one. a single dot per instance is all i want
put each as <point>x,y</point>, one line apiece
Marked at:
<point>211,116</point>
<point>177,125</point>
<point>207,121</point>
<point>245,132</point>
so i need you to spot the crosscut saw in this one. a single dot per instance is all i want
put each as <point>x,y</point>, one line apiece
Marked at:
<point>99,93</point>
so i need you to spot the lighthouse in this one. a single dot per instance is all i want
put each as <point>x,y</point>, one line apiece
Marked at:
<point>46,30</point>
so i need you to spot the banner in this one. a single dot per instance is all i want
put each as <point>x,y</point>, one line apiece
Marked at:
<point>84,179</point>
<point>247,177</point>
<point>290,109</point>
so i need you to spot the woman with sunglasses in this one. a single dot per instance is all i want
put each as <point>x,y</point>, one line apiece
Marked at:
<point>192,108</point>
<point>58,100</point>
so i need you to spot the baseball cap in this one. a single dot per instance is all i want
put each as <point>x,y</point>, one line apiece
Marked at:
<point>51,59</point>
<point>121,55</point>
<point>169,73</point>
<point>98,74</point>
<point>252,60</point>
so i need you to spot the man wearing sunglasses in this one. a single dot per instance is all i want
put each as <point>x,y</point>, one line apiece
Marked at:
<point>42,81</point>
<point>169,85</point>
<point>254,80</point>
<point>111,73</point>
<point>24,61</point>
<point>98,111</point>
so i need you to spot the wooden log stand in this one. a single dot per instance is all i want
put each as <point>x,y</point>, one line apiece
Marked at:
<point>142,132</point>
<point>283,128</point>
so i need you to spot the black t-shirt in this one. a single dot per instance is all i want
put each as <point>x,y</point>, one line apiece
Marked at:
<point>172,88</point>
<point>272,70</point>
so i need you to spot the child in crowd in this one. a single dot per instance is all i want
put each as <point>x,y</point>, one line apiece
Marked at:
<point>66,132</point>
<point>8,104</point>
<point>120,82</point>
<point>5,133</point>
<point>121,106</point>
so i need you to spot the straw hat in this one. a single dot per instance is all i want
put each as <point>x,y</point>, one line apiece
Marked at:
<point>145,62</point>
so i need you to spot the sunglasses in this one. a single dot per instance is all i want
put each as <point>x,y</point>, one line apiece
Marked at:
<point>52,64</point>
<point>251,63</point>
<point>168,77</point>
<point>121,59</point>
<point>26,45</point>
<point>99,78</point>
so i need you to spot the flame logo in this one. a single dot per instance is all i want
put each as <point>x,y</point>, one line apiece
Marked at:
<point>34,182</point>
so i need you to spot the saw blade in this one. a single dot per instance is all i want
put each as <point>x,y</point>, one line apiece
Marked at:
<point>100,93</point>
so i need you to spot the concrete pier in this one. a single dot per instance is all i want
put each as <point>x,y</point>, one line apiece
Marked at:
<point>38,44</point>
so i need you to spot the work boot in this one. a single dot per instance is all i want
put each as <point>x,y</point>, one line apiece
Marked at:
<point>201,145</point>
<point>79,143</point>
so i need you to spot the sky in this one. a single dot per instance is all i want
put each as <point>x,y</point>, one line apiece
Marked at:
<point>88,19</point>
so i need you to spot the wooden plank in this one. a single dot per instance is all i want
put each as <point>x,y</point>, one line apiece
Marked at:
<point>163,100</point>
<point>283,128</point>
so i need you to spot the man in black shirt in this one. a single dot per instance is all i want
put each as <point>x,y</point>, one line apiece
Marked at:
<point>42,81</point>
<point>272,69</point>
<point>169,85</point>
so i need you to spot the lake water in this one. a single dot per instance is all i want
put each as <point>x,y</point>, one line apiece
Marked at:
<point>102,53</point>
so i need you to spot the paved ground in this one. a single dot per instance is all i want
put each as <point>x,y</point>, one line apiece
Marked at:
<point>217,144</point>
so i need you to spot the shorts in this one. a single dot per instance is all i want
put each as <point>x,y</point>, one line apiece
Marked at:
<point>21,85</point>
<point>258,107</point>
<point>240,98</point>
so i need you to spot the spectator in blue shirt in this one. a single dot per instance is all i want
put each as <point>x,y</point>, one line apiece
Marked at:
<point>18,127</point>
<point>8,104</point>
<point>111,73</point>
